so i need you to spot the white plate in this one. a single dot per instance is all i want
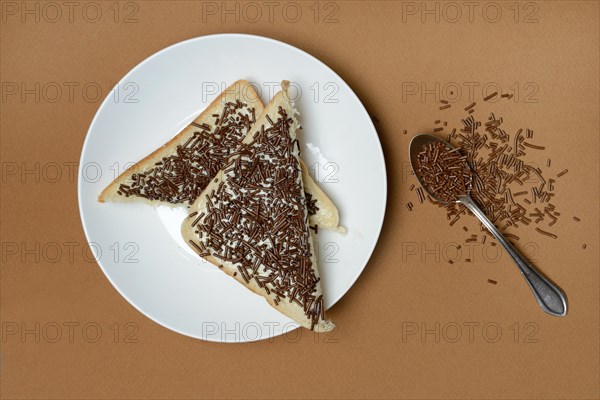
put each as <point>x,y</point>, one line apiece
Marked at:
<point>139,248</point>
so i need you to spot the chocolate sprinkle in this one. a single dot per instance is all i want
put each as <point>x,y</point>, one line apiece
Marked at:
<point>489,97</point>
<point>546,233</point>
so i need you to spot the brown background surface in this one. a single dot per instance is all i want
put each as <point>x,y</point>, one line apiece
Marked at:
<point>548,51</point>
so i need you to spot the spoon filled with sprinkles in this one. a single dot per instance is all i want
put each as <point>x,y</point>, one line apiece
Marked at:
<point>444,173</point>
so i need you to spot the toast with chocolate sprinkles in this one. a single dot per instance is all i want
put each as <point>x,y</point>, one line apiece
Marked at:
<point>252,219</point>
<point>177,172</point>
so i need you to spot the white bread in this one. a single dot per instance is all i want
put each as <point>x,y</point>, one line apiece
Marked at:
<point>326,216</point>
<point>217,228</point>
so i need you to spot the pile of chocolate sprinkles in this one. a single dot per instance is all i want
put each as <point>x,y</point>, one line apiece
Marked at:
<point>257,219</point>
<point>181,177</point>
<point>510,191</point>
<point>443,171</point>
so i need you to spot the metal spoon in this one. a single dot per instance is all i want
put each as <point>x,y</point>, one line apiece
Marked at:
<point>549,296</point>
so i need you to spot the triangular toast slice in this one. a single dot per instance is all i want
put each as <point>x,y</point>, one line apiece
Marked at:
<point>252,219</point>
<point>177,172</point>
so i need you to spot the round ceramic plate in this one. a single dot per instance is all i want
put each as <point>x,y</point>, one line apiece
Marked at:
<point>139,247</point>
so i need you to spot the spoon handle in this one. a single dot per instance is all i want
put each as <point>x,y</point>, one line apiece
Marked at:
<point>550,298</point>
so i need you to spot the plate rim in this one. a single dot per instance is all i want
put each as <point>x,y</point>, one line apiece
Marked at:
<point>84,149</point>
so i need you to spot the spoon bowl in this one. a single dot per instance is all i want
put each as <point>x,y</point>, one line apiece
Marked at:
<point>417,144</point>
